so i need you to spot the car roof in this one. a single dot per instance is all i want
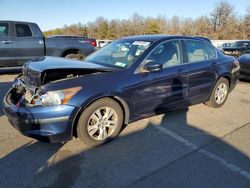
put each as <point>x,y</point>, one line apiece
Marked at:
<point>66,36</point>
<point>11,21</point>
<point>154,38</point>
<point>204,38</point>
<point>242,41</point>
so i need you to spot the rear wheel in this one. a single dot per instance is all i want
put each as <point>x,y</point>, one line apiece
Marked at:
<point>219,94</point>
<point>75,56</point>
<point>100,122</point>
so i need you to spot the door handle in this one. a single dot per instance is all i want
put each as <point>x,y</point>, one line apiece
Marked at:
<point>7,41</point>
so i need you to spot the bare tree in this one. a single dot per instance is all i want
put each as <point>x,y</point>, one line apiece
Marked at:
<point>162,24</point>
<point>187,27</point>
<point>152,26</point>
<point>92,29</point>
<point>174,26</point>
<point>222,23</point>
<point>220,17</point>
<point>246,24</point>
<point>138,24</point>
<point>202,27</point>
<point>102,28</point>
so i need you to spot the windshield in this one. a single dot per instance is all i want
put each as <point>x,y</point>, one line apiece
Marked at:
<point>240,44</point>
<point>236,44</point>
<point>121,53</point>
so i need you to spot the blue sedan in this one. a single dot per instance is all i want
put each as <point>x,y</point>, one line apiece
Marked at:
<point>244,67</point>
<point>129,79</point>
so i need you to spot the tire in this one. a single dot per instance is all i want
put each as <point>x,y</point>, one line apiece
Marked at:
<point>75,56</point>
<point>95,121</point>
<point>219,94</point>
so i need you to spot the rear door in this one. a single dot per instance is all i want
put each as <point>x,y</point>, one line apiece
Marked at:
<point>7,56</point>
<point>27,44</point>
<point>201,58</point>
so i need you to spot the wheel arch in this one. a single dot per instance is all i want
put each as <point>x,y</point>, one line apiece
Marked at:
<point>69,51</point>
<point>226,76</point>
<point>123,104</point>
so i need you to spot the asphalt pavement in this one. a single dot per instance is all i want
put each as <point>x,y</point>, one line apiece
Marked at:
<point>195,147</point>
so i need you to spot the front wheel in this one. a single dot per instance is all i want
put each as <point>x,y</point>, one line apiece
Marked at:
<point>100,122</point>
<point>219,94</point>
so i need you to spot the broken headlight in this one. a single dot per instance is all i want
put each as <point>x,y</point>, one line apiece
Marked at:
<point>58,97</point>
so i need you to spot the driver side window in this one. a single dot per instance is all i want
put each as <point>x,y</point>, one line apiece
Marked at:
<point>168,54</point>
<point>4,29</point>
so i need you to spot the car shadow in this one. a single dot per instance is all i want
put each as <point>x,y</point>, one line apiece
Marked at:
<point>245,80</point>
<point>164,151</point>
<point>10,70</point>
<point>133,159</point>
<point>4,87</point>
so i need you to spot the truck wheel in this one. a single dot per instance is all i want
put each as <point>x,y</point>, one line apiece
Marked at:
<point>100,122</point>
<point>219,94</point>
<point>75,56</point>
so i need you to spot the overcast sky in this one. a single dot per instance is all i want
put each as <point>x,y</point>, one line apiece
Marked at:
<point>50,14</point>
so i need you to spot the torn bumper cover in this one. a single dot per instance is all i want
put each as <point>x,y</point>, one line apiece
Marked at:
<point>50,124</point>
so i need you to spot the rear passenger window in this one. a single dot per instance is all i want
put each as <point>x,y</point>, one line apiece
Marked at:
<point>4,29</point>
<point>23,30</point>
<point>199,51</point>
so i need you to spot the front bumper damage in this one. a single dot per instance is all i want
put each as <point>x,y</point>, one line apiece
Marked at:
<point>50,124</point>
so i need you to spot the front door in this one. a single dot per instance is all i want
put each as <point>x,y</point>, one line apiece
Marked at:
<point>7,56</point>
<point>156,92</point>
<point>27,45</point>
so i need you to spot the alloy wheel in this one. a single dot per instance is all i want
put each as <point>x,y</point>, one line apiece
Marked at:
<point>102,123</point>
<point>221,93</point>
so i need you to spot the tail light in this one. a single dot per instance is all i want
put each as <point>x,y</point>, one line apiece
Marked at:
<point>92,42</point>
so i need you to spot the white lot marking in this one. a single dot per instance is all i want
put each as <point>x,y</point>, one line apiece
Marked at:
<point>227,164</point>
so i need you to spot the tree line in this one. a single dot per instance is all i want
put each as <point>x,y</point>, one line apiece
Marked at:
<point>221,23</point>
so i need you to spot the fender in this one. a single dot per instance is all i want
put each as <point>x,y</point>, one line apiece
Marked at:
<point>87,103</point>
<point>225,75</point>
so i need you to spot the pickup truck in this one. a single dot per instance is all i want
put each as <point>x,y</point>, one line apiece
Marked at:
<point>22,41</point>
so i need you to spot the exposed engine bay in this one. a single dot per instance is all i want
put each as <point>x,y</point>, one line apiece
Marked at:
<point>25,90</point>
<point>54,75</point>
<point>29,87</point>
<point>21,95</point>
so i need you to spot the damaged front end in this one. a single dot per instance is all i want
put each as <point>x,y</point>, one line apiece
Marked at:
<point>48,69</point>
<point>27,87</point>
<point>20,94</point>
<point>45,116</point>
<point>26,96</point>
<point>38,104</point>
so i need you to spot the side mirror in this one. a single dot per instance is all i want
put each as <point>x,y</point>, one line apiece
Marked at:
<point>152,67</point>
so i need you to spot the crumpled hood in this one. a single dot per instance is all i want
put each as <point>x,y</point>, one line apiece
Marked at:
<point>42,70</point>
